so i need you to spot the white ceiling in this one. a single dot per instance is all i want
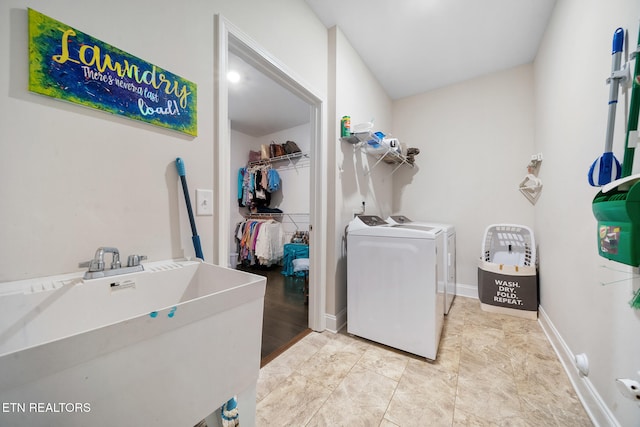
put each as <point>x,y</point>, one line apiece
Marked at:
<point>411,47</point>
<point>259,106</point>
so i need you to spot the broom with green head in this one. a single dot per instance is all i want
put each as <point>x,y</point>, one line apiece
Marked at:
<point>632,136</point>
<point>634,111</point>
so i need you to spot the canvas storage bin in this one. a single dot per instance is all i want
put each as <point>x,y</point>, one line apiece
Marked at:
<point>507,271</point>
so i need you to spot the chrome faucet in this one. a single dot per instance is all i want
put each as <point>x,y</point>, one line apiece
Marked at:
<point>96,265</point>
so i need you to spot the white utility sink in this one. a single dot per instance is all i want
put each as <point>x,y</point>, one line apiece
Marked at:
<point>161,347</point>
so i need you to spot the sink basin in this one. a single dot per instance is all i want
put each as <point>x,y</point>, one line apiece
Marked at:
<point>165,346</point>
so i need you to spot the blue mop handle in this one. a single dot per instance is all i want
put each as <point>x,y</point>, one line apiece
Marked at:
<point>618,41</point>
<point>616,55</point>
<point>195,238</point>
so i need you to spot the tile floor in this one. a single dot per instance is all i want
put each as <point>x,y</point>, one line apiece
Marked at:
<point>491,370</point>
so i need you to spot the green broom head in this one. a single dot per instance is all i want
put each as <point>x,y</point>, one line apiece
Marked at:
<point>635,301</point>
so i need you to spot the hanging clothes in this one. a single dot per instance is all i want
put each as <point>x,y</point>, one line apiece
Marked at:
<point>255,185</point>
<point>241,173</point>
<point>260,242</point>
<point>273,180</point>
<point>269,243</point>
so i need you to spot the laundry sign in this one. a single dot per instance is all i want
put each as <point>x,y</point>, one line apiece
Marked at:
<point>70,65</point>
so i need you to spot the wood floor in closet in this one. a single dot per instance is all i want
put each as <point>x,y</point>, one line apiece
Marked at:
<point>286,316</point>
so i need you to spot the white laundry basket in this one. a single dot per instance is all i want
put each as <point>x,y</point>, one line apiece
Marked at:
<point>507,271</point>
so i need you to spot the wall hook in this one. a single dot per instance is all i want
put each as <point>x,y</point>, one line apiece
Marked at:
<point>531,185</point>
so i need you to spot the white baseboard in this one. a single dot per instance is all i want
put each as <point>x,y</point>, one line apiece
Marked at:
<point>469,291</point>
<point>337,322</point>
<point>594,405</point>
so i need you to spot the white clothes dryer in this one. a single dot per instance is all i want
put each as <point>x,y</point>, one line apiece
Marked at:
<point>448,254</point>
<point>392,292</point>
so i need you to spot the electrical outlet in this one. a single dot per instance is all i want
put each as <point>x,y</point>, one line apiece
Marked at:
<point>629,389</point>
<point>204,202</point>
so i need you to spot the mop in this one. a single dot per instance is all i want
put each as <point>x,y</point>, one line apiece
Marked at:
<point>229,411</point>
<point>606,168</point>
<point>183,178</point>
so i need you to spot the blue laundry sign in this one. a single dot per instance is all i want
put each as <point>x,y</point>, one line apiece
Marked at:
<point>70,65</point>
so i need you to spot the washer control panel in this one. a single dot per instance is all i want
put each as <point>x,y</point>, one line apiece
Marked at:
<point>400,219</point>
<point>372,220</point>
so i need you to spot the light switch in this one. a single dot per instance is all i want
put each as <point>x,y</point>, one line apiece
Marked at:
<point>204,202</point>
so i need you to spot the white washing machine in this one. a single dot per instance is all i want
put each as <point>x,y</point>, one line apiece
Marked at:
<point>392,292</point>
<point>449,255</point>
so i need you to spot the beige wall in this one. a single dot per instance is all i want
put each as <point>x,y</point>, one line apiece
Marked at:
<point>475,140</point>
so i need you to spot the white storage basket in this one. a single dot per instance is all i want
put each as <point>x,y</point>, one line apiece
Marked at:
<point>509,244</point>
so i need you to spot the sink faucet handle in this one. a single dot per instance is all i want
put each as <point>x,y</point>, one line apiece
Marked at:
<point>115,261</point>
<point>94,265</point>
<point>134,260</point>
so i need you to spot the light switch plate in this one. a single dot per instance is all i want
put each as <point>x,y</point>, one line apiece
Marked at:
<point>204,202</point>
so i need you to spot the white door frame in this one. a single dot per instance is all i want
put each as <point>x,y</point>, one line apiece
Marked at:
<point>228,36</point>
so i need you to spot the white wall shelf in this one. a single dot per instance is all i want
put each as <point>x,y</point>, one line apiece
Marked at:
<point>286,157</point>
<point>390,156</point>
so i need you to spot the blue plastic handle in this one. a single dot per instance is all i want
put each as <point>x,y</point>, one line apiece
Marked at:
<point>618,40</point>
<point>180,166</point>
<point>197,247</point>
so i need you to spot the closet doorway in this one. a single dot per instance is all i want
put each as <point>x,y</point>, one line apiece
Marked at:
<point>262,111</point>
<point>269,215</point>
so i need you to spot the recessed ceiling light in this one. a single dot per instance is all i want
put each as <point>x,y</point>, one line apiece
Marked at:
<point>233,76</point>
